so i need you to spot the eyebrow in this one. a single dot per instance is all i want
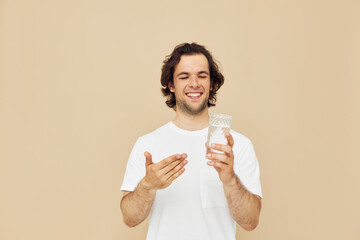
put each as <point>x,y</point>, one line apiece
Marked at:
<point>201,72</point>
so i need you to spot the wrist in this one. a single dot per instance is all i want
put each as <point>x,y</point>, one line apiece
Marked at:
<point>232,181</point>
<point>147,186</point>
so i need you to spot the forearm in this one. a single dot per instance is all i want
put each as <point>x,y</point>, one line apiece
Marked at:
<point>136,206</point>
<point>244,206</point>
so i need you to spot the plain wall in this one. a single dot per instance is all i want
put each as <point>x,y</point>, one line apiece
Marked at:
<point>80,82</point>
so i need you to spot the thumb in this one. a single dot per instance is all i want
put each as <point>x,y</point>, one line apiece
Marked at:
<point>148,158</point>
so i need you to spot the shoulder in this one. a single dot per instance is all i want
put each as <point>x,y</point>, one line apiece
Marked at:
<point>242,143</point>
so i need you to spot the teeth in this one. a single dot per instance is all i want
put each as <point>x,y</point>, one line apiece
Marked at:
<point>193,94</point>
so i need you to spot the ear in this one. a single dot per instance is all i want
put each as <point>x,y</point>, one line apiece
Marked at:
<point>171,86</point>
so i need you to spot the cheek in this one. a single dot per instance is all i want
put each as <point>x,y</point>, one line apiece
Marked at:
<point>179,86</point>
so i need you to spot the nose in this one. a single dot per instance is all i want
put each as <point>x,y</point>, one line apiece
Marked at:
<point>194,81</point>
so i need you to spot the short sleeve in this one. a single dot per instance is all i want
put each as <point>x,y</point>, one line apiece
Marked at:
<point>246,167</point>
<point>135,169</point>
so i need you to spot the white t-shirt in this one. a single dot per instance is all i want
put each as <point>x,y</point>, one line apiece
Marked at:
<point>194,206</point>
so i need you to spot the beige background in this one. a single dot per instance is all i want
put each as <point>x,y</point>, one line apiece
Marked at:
<point>79,82</point>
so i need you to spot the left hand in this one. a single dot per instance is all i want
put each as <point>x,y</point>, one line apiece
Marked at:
<point>223,162</point>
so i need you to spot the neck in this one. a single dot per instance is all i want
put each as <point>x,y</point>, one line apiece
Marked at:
<point>192,122</point>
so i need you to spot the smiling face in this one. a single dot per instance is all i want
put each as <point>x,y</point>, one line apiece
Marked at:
<point>191,84</point>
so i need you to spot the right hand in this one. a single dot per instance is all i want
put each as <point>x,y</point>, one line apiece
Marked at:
<point>160,175</point>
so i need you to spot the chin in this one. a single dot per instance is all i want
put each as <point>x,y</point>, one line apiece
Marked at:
<point>195,111</point>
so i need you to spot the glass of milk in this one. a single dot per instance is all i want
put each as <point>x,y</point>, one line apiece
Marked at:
<point>219,124</point>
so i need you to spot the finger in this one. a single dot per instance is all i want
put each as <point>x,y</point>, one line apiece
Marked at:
<point>230,139</point>
<point>218,157</point>
<point>148,158</point>
<point>176,175</point>
<point>217,164</point>
<point>165,162</point>
<point>172,165</point>
<point>223,148</point>
<point>176,168</point>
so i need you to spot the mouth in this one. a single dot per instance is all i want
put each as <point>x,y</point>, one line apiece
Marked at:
<point>194,95</point>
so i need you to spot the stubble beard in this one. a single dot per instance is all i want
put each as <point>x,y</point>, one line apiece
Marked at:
<point>186,108</point>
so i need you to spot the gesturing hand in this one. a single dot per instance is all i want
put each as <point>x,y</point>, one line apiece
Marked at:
<point>223,162</point>
<point>160,175</point>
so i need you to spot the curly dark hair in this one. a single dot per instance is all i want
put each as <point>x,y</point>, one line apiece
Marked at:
<point>168,68</point>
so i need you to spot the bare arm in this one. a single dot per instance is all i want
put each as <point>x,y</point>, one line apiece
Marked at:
<point>244,206</point>
<point>136,205</point>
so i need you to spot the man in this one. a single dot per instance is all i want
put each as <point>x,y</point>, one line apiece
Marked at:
<point>216,190</point>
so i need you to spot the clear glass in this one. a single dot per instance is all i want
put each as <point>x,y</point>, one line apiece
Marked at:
<point>219,124</point>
